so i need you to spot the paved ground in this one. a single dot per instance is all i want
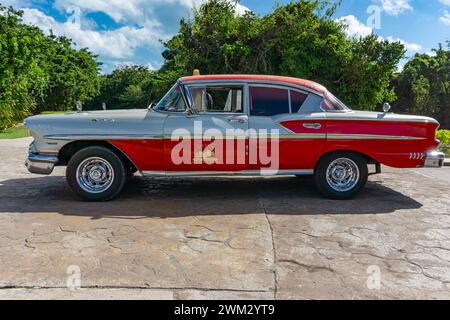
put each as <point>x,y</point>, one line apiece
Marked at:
<point>224,238</point>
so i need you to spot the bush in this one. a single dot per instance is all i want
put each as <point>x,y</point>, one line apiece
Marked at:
<point>40,72</point>
<point>444,137</point>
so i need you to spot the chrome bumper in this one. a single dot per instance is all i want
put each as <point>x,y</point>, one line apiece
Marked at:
<point>434,159</point>
<point>40,164</point>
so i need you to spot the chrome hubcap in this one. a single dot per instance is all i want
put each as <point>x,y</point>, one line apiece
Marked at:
<point>342,174</point>
<point>95,175</point>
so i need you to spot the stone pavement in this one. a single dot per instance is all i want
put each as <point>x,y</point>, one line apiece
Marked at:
<point>223,238</point>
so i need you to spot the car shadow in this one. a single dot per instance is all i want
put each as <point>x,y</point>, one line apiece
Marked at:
<point>181,197</point>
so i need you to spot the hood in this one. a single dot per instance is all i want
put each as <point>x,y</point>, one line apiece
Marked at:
<point>86,115</point>
<point>89,122</point>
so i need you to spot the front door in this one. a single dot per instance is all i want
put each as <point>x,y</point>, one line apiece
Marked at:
<point>213,140</point>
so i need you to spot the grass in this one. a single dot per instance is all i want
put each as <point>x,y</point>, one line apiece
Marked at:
<point>55,112</point>
<point>18,131</point>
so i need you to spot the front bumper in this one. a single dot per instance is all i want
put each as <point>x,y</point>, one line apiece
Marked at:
<point>40,164</point>
<point>434,159</point>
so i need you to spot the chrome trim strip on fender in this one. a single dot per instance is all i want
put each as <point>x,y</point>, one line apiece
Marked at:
<point>237,137</point>
<point>294,136</point>
<point>268,136</point>
<point>377,119</point>
<point>262,172</point>
<point>72,137</point>
<point>370,137</point>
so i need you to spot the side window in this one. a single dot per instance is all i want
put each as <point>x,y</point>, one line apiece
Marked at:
<point>267,101</point>
<point>218,99</point>
<point>172,101</point>
<point>297,100</point>
<point>311,104</point>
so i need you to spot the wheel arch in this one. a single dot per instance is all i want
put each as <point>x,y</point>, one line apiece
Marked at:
<point>368,158</point>
<point>67,152</point>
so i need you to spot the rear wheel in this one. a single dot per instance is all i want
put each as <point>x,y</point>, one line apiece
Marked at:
<point>96,174</point>
<point>341,175</point>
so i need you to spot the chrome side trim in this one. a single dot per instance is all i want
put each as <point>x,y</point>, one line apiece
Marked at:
<point>238,137</point>
<point>370,137</point>
<point>72,137</point>
<point>243,137</point>
<point>261,172</point>
<point>205,137</point>
<point>88,137</point>
<point>377,119</point>
<point>303,136</point>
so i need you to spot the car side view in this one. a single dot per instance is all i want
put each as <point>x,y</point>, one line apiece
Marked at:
<point>216,125</point>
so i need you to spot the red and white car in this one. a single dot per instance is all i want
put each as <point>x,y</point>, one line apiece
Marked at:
<point>220,125</point>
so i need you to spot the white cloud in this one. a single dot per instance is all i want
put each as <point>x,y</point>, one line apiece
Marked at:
<point>15,3</point>
<point>134,11</point>
<point>396,7</point>
<point>355,28</point>
<point>358,29</point>
<point>411,47</point>
<point>445,19</point>
<point>119,43</point>
<point>445,2</point>
<point>143,24</point>
<point>241,9</point>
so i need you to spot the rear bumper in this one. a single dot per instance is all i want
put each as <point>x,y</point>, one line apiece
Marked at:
<point>40,164</point>
<point>434,159</point>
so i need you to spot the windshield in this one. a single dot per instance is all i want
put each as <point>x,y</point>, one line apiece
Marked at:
<point>172,101</point>
<point>331,103</point>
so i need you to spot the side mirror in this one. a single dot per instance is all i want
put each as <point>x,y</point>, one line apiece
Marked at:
<point>386,107</point>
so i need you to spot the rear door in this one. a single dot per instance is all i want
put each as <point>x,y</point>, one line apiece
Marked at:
<point>300,123</point>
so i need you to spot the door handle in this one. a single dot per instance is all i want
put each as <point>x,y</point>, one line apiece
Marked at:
<point>237,120</point>
<point>315,126</point>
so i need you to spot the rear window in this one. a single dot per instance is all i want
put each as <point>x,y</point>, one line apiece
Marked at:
<point>331,103</point>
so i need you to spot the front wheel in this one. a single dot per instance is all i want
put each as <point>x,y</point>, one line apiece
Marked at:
<point>341,175</point>
<point>96,174</point>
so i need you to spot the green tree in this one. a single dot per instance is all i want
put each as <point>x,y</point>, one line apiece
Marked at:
<point>299,39</point>
<point>20,72</point>
<point>73,75</point>
<point>423,87</point>
<point>131,87</point>
<point>39,72</point>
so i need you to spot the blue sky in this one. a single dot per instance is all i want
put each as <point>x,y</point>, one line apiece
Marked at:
<point>124,32</point>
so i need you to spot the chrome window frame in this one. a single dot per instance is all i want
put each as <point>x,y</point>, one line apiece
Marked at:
<point>188,109</point>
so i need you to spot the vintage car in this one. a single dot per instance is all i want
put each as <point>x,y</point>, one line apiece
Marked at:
<point>216,125</point>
